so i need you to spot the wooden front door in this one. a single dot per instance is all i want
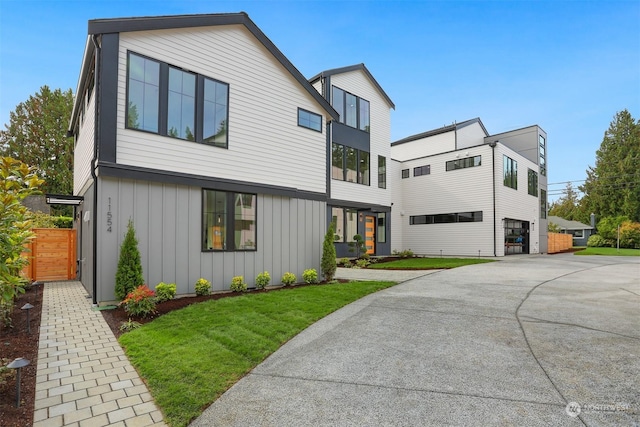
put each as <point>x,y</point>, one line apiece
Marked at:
<point>370,234</point>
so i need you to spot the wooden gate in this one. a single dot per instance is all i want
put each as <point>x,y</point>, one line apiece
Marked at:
<point>52,255</point>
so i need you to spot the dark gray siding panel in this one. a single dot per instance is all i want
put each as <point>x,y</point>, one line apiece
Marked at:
<point>108,98</point>
<point>85,237</point>
<point>346,135</point>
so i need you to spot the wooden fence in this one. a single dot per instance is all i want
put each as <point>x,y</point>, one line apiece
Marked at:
<point>52,255</point>
<point>559,242</point>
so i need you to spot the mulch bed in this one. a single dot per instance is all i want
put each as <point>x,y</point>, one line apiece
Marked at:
<point>16,342</point>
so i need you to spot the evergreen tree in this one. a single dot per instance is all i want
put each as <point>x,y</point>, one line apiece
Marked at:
<point>612,187</point>
<point>569,207</point>
<point>37,135</point>
<point>328,263</point>
<point>129,274</point>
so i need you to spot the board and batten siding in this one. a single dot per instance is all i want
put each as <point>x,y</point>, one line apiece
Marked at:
<point>168,224</point>
<point>424,147</point>
<point>83,150</point>
<point>442,192</point>
<point>265,142</point>
<point>357,83</point>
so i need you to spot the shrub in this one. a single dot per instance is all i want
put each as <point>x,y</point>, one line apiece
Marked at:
<point>345,262</point>
<point>238,285</point>
<point>608,226</point>
<point>630,235</point>
<point>129,273</point>
<point>597,241</point>
<point>288,279</point>
<point>357,245</point>
<point>63,221</point>
<point>42,220</point>
<point>165,291</point>
<point>129,325</point>
<point>407,253</point>
<point>263,280</point>
<point>310,276</point>
<point>203,287</point>
<point>328,263</point>
<point>140,302</point>
<point>362,263</point>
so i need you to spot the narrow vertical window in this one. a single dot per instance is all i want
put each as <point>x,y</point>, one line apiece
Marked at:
<point>363,173</point>
<point>337,162</point>
<point>351,224</point>
<point>245,221</point>
<point>350,110</point>
<point>543,204</point>
<point>533,183</point>
<point>351,156</point>
<point>382,172</point>
<point>181,114</point>
<point>143,93</point>
<point>382,228</point>
<point>338,102</point>
<point>215,117</point>
<point>510,172</point>
<point>364,122</point>
<point>337,215</point>
<point>215,220</point>
<point>543,155</point>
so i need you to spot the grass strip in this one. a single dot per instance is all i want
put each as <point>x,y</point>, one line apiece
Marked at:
<point>191,356</point>
<point>428,263</point>
<point>609,252</point>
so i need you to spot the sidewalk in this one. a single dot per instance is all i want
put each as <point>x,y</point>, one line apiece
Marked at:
<point>83,375</point>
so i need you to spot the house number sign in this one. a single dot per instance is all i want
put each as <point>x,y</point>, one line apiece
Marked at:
<point>109,217</point>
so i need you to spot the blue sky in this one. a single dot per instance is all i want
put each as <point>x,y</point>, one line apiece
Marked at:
<point>567,66</point>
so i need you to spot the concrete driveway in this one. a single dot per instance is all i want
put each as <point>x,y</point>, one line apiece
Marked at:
<point>537,341</point>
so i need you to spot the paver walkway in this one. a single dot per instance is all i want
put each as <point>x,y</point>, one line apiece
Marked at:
<point>83,375</point>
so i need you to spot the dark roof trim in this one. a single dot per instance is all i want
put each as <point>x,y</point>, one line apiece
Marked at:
<point>358,205</point>
<point>119,25</point>
<point>444,129</point>
<point>140,173</point>
<point>350,68</point>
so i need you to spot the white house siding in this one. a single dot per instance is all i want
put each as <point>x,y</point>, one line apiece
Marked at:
<point>168,223</point>
<point>425,147</point>
<point>265,143</point>
<point>442,192</point>
<point>357,83</point>
<point>518,204</point>
<point>83,150</point>
<point>469,136</point>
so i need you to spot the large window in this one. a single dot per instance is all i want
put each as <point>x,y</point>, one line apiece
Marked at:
<point>173,102</point>
<point>353,110</point>
<point>309,120</point>
<point>543,155</point>
<point>382,172</point>
<point>446,218</point>
<point>467,162</point>
<point>510,171</point>
<point>143,96</point>
<point>229,221</point>
<point>532,183</point>
<point>181,111</point>
<point>350,164</point>
<point>346,221</point>
<point>543,204</point>
<point>422,170</point>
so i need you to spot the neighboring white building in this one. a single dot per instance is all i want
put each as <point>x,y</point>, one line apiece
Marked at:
<point>229,162</point>
<point>457,190</point>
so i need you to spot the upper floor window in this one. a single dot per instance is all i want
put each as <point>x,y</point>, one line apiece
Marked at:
<point>422,170</point>
<point>353,110</point>
<point>467,162</point>
<point>229,221</point>
<point>510,171</point>
<point>309,120</point>
<point>143,93</point>
<point>350,164</point>
<point>532,181</point>
<point>405,173</point>
<point>173,102</point>
<point>543,155</point>
<point>382,172</point>
<point>543,204</point>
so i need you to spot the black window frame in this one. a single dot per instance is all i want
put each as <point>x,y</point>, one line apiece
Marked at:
<point>360,124</point>
<point>542,149</point>
<point>543,204</point>
<point>310,113</point>
<point>509,172</point>
<point>446,218</point>
<point>466,162</point>
<point>405,173</point>
<point>422,170</point>
<point>382,171</point>
<point>163,101</point>
<point>532,182</point>
<point>230,223</point>
<point>361,177</point>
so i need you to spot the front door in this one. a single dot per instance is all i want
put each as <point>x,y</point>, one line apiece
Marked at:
<point>370,234</point>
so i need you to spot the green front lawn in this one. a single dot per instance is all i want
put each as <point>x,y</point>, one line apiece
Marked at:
<point>428,263</point>
<point>191,356</point>
<point>609,252</point>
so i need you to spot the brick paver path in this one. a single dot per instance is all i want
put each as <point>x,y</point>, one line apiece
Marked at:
<point>83,376</point>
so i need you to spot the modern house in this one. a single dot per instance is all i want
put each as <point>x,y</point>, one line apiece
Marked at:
<point>458,190</point>
<point>580,232</point>
<point>228,162</point>
<point>203,134</point>
<point>358,195</point>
